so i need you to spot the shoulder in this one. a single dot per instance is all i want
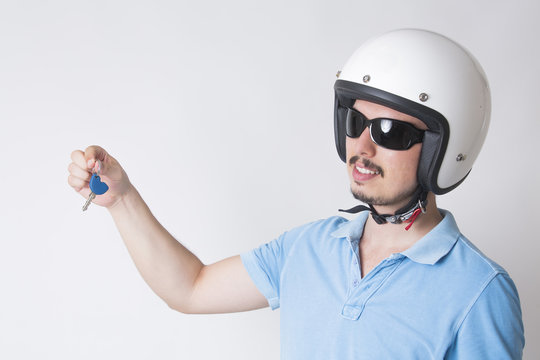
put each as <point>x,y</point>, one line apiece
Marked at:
<point>473,260</point>
<point>494,286</point>
<point>312,233</point>
<point>488,301</point>
<point>491,282</point>
<point>463,255</point>
<point>486,286</point>
<point>320,227</point>
<point>466,269</point>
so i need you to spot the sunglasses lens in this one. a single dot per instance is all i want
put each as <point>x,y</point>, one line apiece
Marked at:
<point>393,134</point>
<point>355,124</point>
<point>388,133</point>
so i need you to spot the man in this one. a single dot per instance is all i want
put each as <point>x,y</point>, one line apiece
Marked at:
<point>398,282</point>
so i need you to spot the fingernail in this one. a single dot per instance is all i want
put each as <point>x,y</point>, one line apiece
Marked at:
<point>98,167</point>
<point>90,164</point>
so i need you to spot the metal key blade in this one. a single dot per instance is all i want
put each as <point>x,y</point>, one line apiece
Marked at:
<point>88,201</point>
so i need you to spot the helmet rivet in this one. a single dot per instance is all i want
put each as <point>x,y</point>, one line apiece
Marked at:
<point>460,157</point>
<point>338,73</point>
<point>366,78</point>
<point>423,97</point>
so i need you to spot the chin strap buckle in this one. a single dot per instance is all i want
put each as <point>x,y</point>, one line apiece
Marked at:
<point>420,209</point>
<point>407,216</point>
<point>404,217</point>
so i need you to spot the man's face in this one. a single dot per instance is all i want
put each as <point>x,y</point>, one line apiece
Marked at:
<point>381,176</point>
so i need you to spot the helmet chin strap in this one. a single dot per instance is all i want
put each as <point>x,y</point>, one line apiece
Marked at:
<point>407,213</point>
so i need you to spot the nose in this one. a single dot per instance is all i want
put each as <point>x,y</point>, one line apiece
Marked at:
<point>361,146</point>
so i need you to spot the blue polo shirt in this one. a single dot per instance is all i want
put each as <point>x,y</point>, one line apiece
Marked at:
<point>440,299</point>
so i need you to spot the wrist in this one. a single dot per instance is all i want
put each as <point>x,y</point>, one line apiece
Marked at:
<point>129,199</point>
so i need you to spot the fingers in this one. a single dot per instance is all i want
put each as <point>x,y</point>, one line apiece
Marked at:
<point>78,184</point>
<point>79,172</point>
<point>79,176</point>
<point>96,160</point>
<point>95,156</point>
<point>78,159</point>
<point>83,164</point>
<point>92,160</point>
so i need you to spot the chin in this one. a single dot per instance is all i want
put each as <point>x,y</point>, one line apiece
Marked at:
<point>398,200</point>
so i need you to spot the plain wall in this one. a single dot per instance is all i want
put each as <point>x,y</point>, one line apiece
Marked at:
<point>221,113</point>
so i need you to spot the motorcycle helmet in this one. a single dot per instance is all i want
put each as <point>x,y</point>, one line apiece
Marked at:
<point>430,77</point>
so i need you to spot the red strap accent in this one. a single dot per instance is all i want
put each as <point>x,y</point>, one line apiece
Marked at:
<point>413,218</point>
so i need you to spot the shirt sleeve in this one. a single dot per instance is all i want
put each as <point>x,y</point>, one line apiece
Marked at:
<point>493,328</point>
<point>265,264</point>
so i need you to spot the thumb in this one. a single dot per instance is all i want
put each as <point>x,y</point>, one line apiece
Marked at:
<point>96,158</point>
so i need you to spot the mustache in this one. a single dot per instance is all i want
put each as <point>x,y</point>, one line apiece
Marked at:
<point>367,164</point>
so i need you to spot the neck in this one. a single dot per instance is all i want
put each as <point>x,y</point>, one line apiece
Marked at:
<point>396,233</point>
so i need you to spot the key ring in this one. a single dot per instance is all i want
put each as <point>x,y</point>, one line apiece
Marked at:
<point>97,167</point>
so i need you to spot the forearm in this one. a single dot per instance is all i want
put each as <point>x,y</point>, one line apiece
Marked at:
<point>165,264</point>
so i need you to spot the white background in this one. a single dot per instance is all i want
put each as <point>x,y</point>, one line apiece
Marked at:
<point>221,113</point>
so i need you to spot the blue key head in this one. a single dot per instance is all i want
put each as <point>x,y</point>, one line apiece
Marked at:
<point>97,186</point>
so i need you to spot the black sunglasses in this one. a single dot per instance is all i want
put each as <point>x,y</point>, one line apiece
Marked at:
<point>389,133</point>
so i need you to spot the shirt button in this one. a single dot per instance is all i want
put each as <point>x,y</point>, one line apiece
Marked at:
<point>355,283</point>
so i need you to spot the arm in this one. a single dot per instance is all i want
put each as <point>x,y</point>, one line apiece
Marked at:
<point>172,271</point>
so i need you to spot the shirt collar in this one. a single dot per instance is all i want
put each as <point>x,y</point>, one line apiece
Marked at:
<point>428,250</point>
<point>352,229</point>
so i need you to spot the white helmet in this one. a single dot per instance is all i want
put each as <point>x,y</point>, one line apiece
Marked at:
<point>430,77</point>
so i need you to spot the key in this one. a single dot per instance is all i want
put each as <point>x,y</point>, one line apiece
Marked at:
<point>97,187</point>
<point>91,197</point>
